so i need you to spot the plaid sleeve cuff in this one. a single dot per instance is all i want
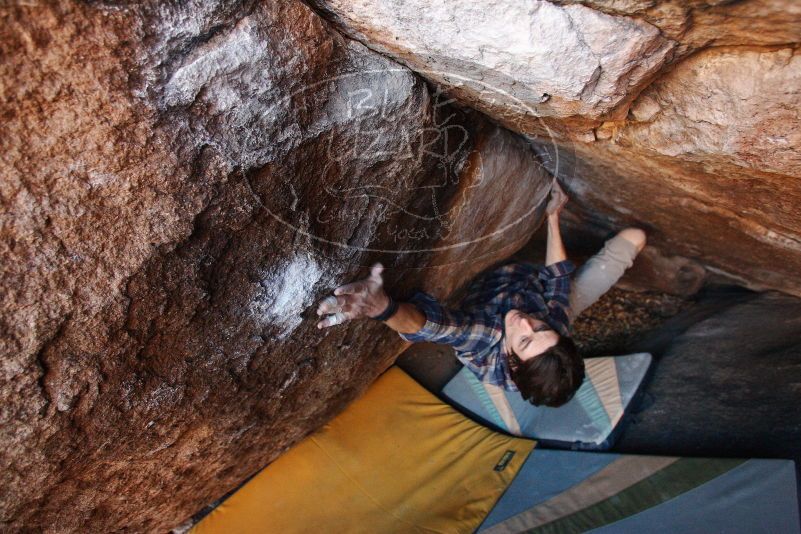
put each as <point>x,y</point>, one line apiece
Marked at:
<point>556,270</point>
<point>433,312</point>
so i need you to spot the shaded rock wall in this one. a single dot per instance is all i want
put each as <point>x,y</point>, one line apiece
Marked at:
<point>727,380</point>
<point>681,117</point>
<point>181,183</point>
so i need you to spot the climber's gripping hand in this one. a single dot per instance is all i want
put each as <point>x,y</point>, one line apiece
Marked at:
<point>557,200</point>
<point>365,298</point>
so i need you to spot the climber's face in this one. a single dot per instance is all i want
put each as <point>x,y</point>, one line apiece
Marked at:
<point>527,336</point>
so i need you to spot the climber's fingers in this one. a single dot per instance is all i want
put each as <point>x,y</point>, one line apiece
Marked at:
<point>334,319</point>
<point>350,301</point>
<point>332,304</point>
<point>352,288</point>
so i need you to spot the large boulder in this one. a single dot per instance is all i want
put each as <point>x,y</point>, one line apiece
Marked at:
<point>680,117</point>
<point>517,61</point>
<point>710,160</point>
<point>727,380</point>
<point>181,185</point>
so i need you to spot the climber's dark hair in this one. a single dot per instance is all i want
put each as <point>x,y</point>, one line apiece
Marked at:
<point>551,378</point>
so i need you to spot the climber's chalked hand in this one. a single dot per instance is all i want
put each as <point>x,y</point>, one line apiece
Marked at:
<point>557,200</point>
<point>365,298</point>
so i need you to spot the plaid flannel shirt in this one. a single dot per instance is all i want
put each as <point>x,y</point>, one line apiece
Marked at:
<point>476,329</point>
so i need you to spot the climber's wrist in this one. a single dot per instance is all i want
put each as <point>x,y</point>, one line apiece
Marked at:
<point>389,310</point>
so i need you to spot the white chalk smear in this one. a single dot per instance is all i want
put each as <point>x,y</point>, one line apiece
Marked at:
<point>284,291</point>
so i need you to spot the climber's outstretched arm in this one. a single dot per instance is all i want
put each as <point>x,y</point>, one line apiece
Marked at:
<point>422,318</point>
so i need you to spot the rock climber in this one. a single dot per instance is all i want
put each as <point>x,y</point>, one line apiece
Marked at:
<point>512,329</point>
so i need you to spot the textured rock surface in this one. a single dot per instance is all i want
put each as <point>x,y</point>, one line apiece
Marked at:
<point>495,208</point>
<point>510,58</point>
<point>180,185</point>
<point>712,165</point>
<point>691,131</point>
<point>699,23</point>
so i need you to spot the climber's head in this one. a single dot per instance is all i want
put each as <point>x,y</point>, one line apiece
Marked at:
<point>545,366</point>
<point>527,336</point>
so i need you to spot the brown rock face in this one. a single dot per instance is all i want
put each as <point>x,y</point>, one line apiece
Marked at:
<point>710,161</point>
<point>180,186</point>
<point>691,129</point>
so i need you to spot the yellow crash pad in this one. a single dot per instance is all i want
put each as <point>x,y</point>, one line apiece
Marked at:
<point>396,460</point>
